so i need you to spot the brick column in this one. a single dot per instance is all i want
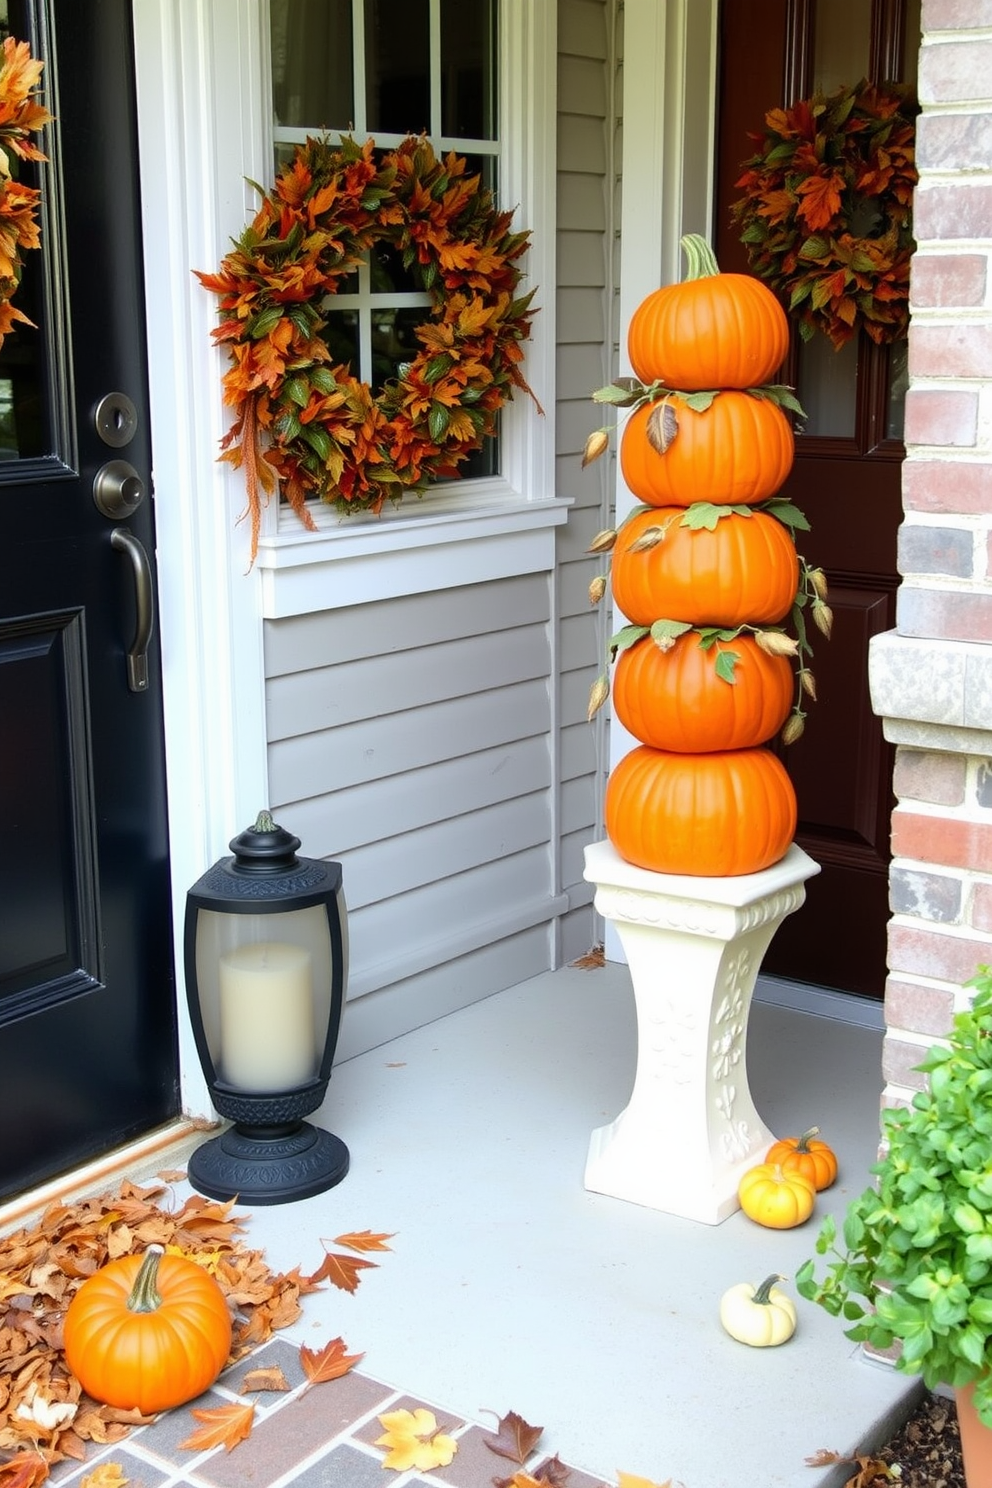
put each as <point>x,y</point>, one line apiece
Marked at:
<point>931,678</point>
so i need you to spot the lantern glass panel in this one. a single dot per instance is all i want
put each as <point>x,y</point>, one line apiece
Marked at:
<point>264,983</point>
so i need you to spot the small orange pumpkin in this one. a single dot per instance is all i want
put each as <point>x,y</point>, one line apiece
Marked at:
<point>711,331</point>
<point>774,1197</point>
<point>708,815</point>
<point>676,700</point>
<point>743,571</point>
<point>806,1155</point>
<point>147,1332</point>
<point>739,450</point>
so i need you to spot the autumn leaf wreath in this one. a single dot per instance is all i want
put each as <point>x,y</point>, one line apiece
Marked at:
<point>307,424</point>
<point>826,214</point>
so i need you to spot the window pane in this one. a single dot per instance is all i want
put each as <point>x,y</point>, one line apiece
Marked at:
<point>828,387</point>
<point>341,337</point>
<point>394,341</point>
<point>843,39</point>
<point>397,66</point>
<point>468,50</point>
<point>312,64</point>
<point>389,275</point>
<point>898,385</point>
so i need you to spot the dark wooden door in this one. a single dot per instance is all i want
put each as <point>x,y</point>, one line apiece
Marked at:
<point>87,1010</point>
<point>846,478</point>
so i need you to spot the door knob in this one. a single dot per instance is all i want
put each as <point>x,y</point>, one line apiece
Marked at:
<point>137,657</point>
<point>118,489</point>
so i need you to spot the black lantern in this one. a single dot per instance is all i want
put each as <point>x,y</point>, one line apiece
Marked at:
<point>266,967</point>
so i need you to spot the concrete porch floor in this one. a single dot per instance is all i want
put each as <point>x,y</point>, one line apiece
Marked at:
<point>509,1287</point>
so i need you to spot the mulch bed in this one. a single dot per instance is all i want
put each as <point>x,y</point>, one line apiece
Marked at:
<point>927,1449</point>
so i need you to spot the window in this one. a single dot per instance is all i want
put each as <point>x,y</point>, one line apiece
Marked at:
<point>478,76</point>
<point>388,68</point>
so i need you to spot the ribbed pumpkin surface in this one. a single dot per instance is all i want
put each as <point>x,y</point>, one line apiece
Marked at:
<point>675,699</point>
<point>739,450</point>
<point>721,331</point>
<point>744,571</point>
<point>707,815</point>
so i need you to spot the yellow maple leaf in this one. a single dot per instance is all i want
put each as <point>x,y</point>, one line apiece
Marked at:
<point>107,1475</point>
<point>414,1440</point>
<point>630,1480</point>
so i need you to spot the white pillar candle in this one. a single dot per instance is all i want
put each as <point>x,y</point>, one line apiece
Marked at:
<point>266,1016</point>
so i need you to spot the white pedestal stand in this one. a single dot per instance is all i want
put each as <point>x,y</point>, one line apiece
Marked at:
<point>694,946</point>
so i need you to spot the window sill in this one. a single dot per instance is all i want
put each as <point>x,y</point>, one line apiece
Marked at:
<point>359,560</point>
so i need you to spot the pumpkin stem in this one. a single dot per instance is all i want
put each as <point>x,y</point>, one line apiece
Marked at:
<point>802,1144</point>
<point>145,1296</point>
<point>762,1293</point>
<point>699,258</point>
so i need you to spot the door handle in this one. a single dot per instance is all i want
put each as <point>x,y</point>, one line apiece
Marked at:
<point>137,657</point>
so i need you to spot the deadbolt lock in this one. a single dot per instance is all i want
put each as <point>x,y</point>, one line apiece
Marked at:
<point>118,489</point>
<point>115,419</point>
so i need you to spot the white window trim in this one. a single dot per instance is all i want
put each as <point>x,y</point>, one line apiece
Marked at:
<point>521,498</point>
<point>204,132</point>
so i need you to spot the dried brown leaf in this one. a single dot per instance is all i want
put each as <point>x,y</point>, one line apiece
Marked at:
<point>341,1270</point>
<point>364,1240</point>
<point>662,427</point>
<point>328,1363</point>
<point>270,1378</point>
<point>515,1438</point>
<point>592,959</point>
<point>223,1427</point>
<point>26,1470</point>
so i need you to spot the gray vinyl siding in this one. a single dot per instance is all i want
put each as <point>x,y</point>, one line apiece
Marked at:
<point>437,744</point>
<point>586,126</point>
<point>410,739</point>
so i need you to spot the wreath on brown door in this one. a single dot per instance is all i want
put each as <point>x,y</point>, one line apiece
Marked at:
<point>827,210</point>
<point>305,423</point>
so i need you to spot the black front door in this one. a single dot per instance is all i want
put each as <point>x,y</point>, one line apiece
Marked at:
<point>87,1005</point>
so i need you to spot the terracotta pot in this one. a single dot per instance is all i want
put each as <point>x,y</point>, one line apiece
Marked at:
<point>976,1440</point>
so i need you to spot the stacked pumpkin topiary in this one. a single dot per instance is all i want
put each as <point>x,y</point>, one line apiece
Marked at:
<point>706,572</point>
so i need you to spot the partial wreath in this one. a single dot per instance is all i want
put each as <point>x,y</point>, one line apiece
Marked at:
<point>306,424</point>
<point>20,114</point>
<point>827,210</point>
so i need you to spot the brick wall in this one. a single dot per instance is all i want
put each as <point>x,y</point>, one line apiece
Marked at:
<point>941,877</point>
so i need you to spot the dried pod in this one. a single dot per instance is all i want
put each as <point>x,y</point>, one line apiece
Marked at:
<point>598,694</point>
<point>597,442</point>
<point>793,728</point>
<point>649,538</point>
<point>603,541</point>
<point>808,682</point>
<point>818,580</point>
<point>597,589</point>
<point>823,617</point>
<point>776,643</point>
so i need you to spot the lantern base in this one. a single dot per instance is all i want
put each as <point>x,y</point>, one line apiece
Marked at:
<point>267,1167</point>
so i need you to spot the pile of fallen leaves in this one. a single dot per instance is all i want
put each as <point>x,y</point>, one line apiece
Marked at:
<point>44,1414</point>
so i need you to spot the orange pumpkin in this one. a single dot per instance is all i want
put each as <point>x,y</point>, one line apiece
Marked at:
<point>806,1155</point>
<point>708,815</point>
<point>676,700</point>
<point>771,1196</point>
<point>147,1332</point>
<point>711,331</point>
<point>739,450</point>
<point>744,571</point>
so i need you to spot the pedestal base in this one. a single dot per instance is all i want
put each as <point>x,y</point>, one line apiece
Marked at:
<point>694,947</point>
<point>268,1170</point>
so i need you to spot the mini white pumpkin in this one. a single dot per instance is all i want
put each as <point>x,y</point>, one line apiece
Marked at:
<point>760,1316</point>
